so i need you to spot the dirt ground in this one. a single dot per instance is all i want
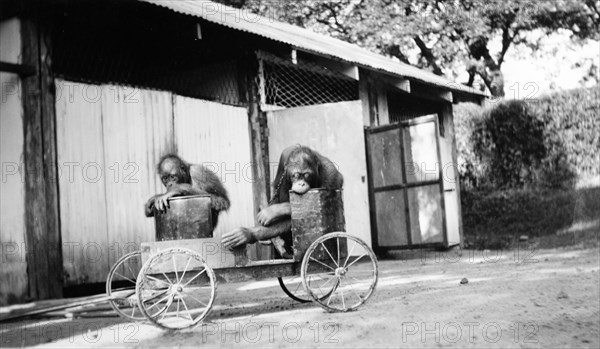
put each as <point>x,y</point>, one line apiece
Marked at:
<point>513,299</point>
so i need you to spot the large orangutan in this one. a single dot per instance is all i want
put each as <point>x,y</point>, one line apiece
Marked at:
<point>181,178</point>
<point>300,169</point>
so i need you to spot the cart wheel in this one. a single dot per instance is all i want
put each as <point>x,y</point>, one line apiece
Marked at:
<point>176,289</point>
<point>343,264</point>
<point>293,287</point>
<point>120,286</point>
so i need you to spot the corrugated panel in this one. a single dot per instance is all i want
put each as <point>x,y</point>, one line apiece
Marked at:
<point>304,39</point>
<point>138,129</point>
<point>83,206</point>
<point>111,136</point>
<point>13,271</point>
<point>217,136</point>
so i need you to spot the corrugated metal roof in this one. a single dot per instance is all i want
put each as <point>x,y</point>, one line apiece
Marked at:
<point>305,39</point>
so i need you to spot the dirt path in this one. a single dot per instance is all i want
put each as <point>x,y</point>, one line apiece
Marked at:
<point>514,299</point>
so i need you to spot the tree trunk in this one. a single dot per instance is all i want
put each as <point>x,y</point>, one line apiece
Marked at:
<point>486,67</point>
<point>492,78</point>
<point>428,55</point>
<point>495,82</point>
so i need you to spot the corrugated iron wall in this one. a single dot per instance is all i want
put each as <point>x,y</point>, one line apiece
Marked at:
<point>80,146</point>
<point>109,140</point>
<point>217,136</point>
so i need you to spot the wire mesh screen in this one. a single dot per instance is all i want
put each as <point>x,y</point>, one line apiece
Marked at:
<point>285,84</point>
<point>147,49</point>
<point>216,81</point>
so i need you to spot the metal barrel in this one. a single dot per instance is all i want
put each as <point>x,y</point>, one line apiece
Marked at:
<point>188,217</point>
<point>316,212</point>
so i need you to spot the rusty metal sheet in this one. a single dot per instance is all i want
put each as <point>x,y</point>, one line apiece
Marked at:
<point>317,212</point>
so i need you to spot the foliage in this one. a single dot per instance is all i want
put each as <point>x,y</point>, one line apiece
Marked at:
<point>512,138</point>
<point>447,34</point>
<point>517,162</point>
<point>573,125</point>
<point>497,219</point>
<point>545,142</point>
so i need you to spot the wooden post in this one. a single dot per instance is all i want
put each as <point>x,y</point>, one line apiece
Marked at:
<point>373,102</point>
<point>450,133</point>
<point>382,105</point>
<point>258,143</point>
<point>363,93</point>
<point>44,254</point>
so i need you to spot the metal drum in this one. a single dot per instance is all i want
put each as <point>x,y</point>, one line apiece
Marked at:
<point>189,217</point>
<point>314,214</point>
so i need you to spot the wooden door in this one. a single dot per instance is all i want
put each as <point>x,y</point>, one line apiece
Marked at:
<point>406,184</point>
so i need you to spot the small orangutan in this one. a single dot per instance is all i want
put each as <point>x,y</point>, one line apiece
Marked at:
<point>300,169</point>
<point>181,178</point>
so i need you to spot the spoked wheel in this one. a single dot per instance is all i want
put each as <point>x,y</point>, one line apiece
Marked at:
<point>176,289</point>
<point>339,272</point>
<point>120,286</point>
<point>294,288</point>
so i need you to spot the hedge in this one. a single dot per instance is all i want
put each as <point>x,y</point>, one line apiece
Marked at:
<point>544,142</point>
<point>517,163</point>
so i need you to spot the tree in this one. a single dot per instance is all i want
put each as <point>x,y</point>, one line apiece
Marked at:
<point>448,35</point>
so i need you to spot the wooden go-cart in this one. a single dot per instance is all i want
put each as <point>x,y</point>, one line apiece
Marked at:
<point>176,285</point>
